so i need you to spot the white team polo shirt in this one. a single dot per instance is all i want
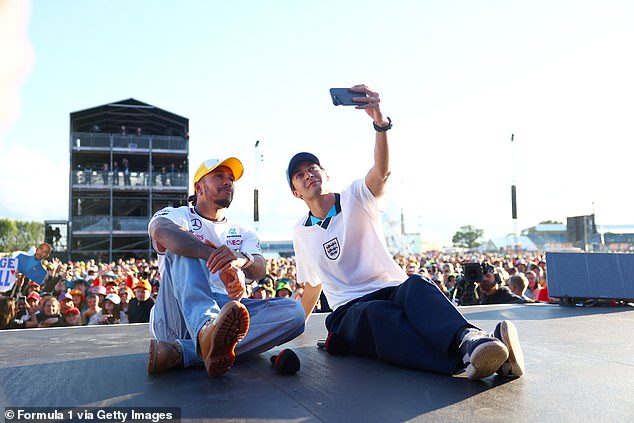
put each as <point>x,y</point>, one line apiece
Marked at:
<point>225,232</point>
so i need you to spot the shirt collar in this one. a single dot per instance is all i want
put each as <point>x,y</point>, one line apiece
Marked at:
<point>334,210</point>
<point>194,211</point>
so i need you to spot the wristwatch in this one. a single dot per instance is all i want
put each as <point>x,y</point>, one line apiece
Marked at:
<point>387,127</point>
<point>249,258</point>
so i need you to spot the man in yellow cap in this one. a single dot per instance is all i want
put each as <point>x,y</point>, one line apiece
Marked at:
<point>203,260</point>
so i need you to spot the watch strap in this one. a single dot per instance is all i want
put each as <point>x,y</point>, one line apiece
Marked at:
<point>387,127</point>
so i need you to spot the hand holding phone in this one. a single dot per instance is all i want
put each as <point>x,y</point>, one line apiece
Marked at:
<point>343,97</point>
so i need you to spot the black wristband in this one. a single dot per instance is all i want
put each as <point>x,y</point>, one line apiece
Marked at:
<point>387,127</point>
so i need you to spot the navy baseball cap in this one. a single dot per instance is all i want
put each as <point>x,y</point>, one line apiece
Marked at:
<point>296,161</point>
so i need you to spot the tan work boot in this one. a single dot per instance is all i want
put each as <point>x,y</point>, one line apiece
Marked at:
<point>163,356</point>
<point>218,337</point>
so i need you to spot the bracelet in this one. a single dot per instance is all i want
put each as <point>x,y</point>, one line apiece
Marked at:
<point>250,260</point>
<point>387,127</point>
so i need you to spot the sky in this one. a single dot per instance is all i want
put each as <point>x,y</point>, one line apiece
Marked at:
<point>456,77</point>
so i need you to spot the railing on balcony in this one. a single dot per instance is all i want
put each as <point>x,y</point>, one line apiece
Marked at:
<point>96,179</point>
<point>88,224</point>
<point>160,142</point>
<point>92,224</point>
<point>89,139</point>
<point>97,140</point>
<point>131,142</point>
<point>130,224</point>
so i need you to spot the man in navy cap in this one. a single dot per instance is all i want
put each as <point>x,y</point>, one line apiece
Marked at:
<point>378,310</point>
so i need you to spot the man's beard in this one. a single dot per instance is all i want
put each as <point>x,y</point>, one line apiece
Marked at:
<point>223,202</point>
<point>487,286</point>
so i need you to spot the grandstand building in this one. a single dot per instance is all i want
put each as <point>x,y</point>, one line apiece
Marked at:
<point>127,160</point>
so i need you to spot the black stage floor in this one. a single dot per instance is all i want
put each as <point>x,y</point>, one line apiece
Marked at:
<point>579,364</point>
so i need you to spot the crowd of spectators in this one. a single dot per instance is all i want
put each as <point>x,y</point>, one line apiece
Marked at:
<point>92,293</point>
<point>82,293</point>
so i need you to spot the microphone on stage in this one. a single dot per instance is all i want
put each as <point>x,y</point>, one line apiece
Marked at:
<point>286,362</point>
<point>334,344</point>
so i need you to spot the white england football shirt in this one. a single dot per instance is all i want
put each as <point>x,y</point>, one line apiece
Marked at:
<point>346,253</point>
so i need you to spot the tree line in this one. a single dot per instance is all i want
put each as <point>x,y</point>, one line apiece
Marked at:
<point>20,235</point>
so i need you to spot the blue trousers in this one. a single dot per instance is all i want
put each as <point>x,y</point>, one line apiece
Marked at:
<point>412,325</point>
<point>185,302</point>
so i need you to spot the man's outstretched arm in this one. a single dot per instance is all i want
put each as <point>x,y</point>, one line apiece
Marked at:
<point>378,174</point>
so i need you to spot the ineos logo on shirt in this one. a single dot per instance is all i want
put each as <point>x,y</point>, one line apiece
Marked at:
<point>196,224</point>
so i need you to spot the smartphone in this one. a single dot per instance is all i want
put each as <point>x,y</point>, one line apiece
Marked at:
<point>343,97</point>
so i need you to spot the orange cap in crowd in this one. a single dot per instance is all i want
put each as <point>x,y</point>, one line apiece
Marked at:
<point>143,283</point>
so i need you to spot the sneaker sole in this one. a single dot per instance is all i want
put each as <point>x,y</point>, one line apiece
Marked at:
<point>508,334</point>
<point>486,359</point>
<point>152,358</point>
<point>232,325</point>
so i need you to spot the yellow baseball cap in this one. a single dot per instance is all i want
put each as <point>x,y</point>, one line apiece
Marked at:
<point>209,165</point>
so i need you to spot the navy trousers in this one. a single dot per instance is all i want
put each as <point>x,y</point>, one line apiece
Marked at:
<point>411,325</point>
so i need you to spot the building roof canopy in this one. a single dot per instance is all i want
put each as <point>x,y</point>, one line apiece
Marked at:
<point>133,114</point>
